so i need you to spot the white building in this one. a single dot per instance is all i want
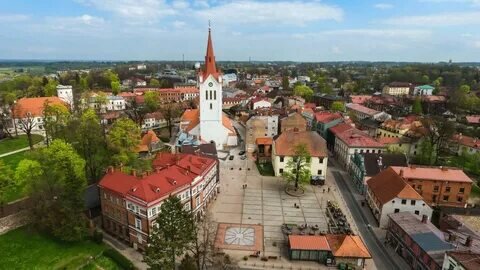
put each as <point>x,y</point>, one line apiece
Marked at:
<point>423,90</point>
<point>283,150</point>
<point>141,67</point>
<point>115,103</point>
<point>208,123</point>
<point>388,193</point>
<point>28,113</point>
<point>229,78</point>
<point>260,103</point>
<point>153,120</point>
<point>65,93</point>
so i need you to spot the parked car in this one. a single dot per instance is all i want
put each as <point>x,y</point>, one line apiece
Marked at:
<point>317,180</point>
<point>230,158</point>
<point>243,157</point>
<point>241,153</point>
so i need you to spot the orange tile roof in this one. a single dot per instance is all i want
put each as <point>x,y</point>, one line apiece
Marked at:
<point>473,119</point>
<point>286,142</point>
<point>264,140</point>
<point>360,99</point>
<point>349,246</point>
<point>34,106</point>
<point>147,139</point>
<point>467,141</point>
<point>190,114</point>
<point>389,140</point>
<point>327,117</point>
<point>433,173</point>
<point>356,138</point>
<point>308,242</point>
<point>228,123</point>
<point>388,184</point>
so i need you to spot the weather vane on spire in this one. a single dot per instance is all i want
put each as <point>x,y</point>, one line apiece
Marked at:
<point>209,27</point>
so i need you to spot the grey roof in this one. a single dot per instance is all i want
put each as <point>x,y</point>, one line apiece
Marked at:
<point>92,197</point>
<point>431,242</point>
<point>371,162</point>
<point>208,149</point>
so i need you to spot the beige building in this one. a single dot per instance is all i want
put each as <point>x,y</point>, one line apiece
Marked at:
<point>397,89</point>
<point>260,126</point>
<point>283,150</point>
<point>293,122</point>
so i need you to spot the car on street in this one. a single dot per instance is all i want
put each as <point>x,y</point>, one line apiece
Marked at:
<point>230,158</point>
<point>241,153</point>
<point>243,157</point>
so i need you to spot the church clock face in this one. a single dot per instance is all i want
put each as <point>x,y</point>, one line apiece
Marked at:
<point>210,84</point>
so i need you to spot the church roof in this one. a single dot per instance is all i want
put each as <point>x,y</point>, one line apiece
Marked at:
<point>210,64</point>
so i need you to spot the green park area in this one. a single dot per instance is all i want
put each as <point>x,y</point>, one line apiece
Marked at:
<point>24,248</point>
<point>19,142</point>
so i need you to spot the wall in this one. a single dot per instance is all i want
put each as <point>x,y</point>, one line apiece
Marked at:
<point>389,208</point>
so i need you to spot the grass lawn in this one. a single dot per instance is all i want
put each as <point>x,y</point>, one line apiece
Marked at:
<point>8,144</point>
<point>25,249</point>
<point>265,169</point>
<point>14,193</point>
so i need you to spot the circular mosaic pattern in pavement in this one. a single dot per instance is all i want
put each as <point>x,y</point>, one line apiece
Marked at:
<point>240,236</point>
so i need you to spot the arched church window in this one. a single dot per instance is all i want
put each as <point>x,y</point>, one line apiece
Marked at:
<point>215,95</point>
<point>210,106</point>
<point>206,94</point>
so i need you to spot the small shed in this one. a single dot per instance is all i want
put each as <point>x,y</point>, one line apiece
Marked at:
<point>309,248</point>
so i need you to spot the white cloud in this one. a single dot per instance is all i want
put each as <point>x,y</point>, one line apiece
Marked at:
<point>9,18</point>
<point>474,3</point>
<point>443,19</point>
<point>201,3</point>
<point>72,21</point>
<point>379,33</point>
<point>383,6</point>
<point>254,12</point>
<point>179,24</point>
<point>180,4</point>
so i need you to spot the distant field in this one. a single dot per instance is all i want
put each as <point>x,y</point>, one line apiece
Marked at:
<point>8,144</point>
<point>25,249</point>
<point>6,72</point>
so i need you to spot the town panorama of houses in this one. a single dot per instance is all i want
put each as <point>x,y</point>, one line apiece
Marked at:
<point>366,136</point>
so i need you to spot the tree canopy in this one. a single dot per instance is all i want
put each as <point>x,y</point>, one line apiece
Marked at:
<point>123,140</point>
<point>297,170</point>
<point>303,91</point>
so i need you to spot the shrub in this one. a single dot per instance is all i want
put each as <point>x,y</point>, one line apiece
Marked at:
<point>119,259</point>
<point>97,237</point>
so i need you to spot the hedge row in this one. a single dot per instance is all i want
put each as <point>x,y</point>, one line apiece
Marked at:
<point>121,260</point>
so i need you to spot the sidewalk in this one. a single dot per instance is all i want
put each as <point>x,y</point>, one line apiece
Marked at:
<point>14,152</point>
<point>134,256</point>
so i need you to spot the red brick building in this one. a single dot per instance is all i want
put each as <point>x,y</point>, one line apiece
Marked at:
<point>131,202</point>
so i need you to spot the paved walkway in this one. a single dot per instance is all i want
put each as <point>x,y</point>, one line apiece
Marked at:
<point>134,256</point>
<point>14,152</point>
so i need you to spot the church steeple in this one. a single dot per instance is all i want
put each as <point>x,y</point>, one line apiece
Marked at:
<point>210,65</point>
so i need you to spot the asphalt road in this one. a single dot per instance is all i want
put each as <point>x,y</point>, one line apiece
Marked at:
<point>381,258</point>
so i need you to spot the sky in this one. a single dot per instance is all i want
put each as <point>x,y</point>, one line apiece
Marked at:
<point>262,30</point>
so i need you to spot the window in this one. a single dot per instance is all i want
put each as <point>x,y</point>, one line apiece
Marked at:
<point>187,206</point>
<point>419,187</point>
<point>319,172</point>
<point>320,160</point>
<point>138,223</point>
<point>404,201</point>
<point>434,198</point>
<point>447,189</point>
<point>445,198</point>
<point>413,202</point>
<point>459,199</point>
<point>206,94</point>
<point>436,188</point>
<point>197,201</point>
<point>417,212</point>
<point>282,159</point>
<point>154,211</point>
<point>462,190</point>
<point>396,210</point>
<point>215,95</point>
<point>210,106</point>
<point>281,170</point>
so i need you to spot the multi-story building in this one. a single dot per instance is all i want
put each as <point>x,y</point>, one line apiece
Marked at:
<point>353,141</point>
<point>260,126</point>
<point>28,113</point>
<point>439,186</point>
<point>154,120</point>
<point>366,165</point>
<point>362,112</point>
<point>423,90</point>
<point>131,202</point>
<point>325,120</point>
<point>294,121</point>
<point>326,100</point>
<point>283,150</point>
<point>397,89</point>
<point>388,193</point>
<point>465,144</point>
<point>417,241</point>
<point>461,260</point>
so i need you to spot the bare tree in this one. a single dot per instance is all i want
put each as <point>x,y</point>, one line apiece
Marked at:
<point>27,123</point>
<point>136,112</point>
<point>170,112</point>
<point>203,247</point>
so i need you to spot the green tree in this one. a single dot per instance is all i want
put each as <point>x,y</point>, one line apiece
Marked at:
<point>6,181</point>
<point>123,140</point>
<point>154,83</point>
<point>303,91</point>
<point>285,83</point>
<point>56,185</point>
<point>297,170</point>
<point>338,106</point>
<point>426,154</point>
<point>439,130</point>
<point>50,89</point>
<point>88,139</point>
<point>55,119</point>
<point>172,234</point>
<point>425,79</point>
<point>170,112</point>
<point>417,106</point>
<point>152,100</point>
<point>115,87</point>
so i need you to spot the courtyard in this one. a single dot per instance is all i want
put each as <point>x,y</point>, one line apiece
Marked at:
<point>248,200</point>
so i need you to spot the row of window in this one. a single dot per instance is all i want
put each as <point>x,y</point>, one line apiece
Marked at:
<point>437,188</point>
<point>210,95</point>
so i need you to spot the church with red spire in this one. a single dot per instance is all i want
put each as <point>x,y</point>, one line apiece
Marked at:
<point>208,123</point>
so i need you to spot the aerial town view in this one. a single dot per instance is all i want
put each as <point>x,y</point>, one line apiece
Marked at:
<point>249,134</point>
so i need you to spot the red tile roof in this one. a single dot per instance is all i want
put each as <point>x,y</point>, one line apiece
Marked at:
<point>210,65</point>
<point>327,117</point>
<point>347,246</point>
<point>389,140</point>
<point>362,109</point>
<point>265,140</point>
<point>34,106</point>
<point>360,99</point>
<point>473,119</point>
<point>342,127</point>
<point>172,172</point>
<point>433,173</point>
<point>308,242</point>
<point>467,141</point>
<point>388,185</point>
<point>357,138</point>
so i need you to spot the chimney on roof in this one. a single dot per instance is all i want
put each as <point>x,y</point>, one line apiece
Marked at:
<point>401,172</point>
<point>424,219</point>
<point>134,172</point>
<point>157,169</point>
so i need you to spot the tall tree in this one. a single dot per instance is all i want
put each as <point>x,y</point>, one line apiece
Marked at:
<point>87,138</point>
<point>172,234</point>
<point>338,106</point>
<point>7,100</point>
<point>55,119</point>
<point>438,131</point>
<point>417,106</point>
<point>136,112</point>
<point>303,91</point>
<point>25,121</point>
<point>152,101</point>
<point>297,170</point>
<point>56,186</point>
<point>203,246</point>
<point>170,112</point>
<point>154,83</point>
<point>123,139</point>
